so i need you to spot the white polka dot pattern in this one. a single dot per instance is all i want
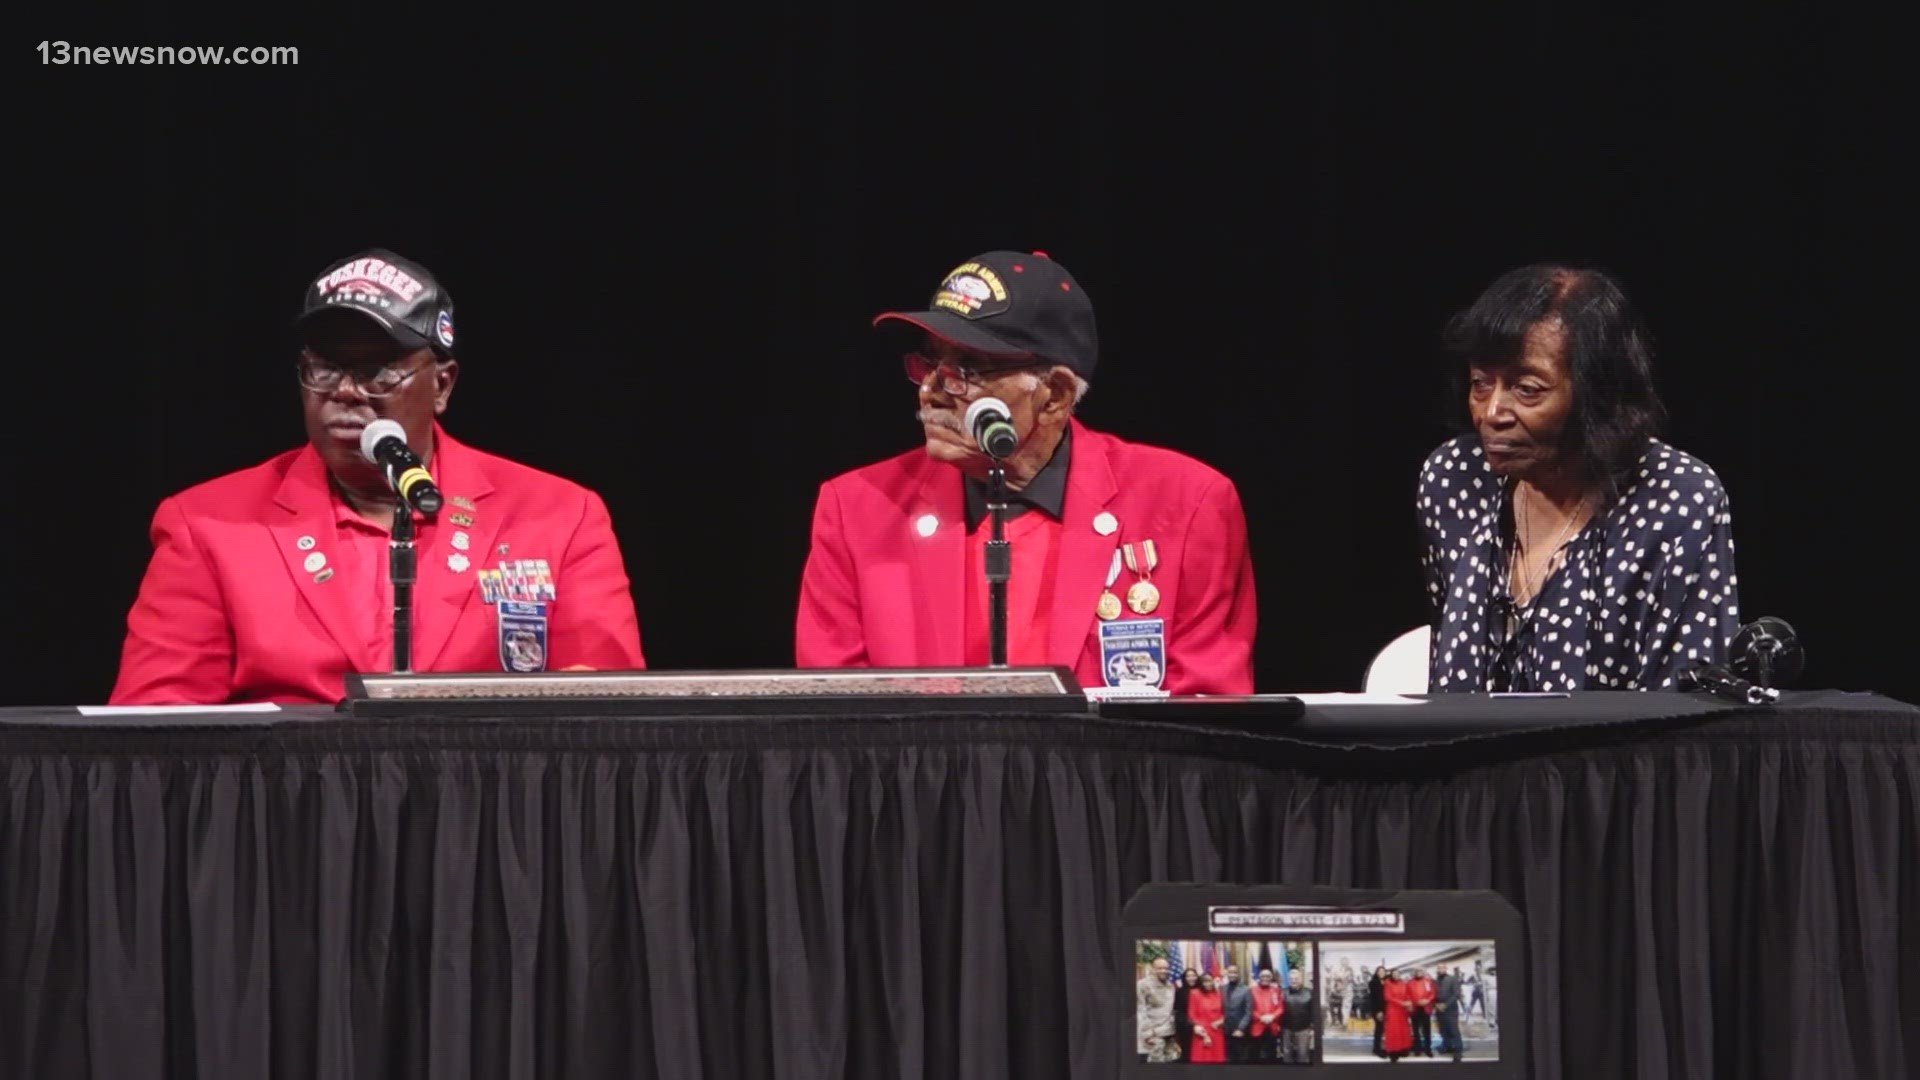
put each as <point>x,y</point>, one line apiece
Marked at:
<point>1647,588</point>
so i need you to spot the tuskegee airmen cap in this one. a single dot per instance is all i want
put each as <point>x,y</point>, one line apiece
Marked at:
<point>395,292</point>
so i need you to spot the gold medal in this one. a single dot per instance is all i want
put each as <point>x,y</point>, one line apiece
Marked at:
<point>1143,597</point>
<point>1109,606</point>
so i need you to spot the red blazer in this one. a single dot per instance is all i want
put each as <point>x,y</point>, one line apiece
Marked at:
<point>1423,993</point>
<point>877,593</point>
<point>1268,999</point>
<point>228,611</point>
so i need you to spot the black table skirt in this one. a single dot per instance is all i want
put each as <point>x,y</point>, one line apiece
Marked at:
<point>1726,894</point>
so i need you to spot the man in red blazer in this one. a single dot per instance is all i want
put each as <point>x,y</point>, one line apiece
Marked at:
<point>271,583</point>
<point>1130,562</point>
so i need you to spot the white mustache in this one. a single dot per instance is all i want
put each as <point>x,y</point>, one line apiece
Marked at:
<point>941,418</point>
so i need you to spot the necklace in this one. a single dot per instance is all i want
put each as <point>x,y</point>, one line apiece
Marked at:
<point>1518,569</point>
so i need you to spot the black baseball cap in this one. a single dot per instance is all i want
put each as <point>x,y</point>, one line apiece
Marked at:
<point>393,291</point>
<point>1011,302</point>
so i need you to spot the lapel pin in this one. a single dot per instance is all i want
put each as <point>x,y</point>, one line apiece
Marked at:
<point>323,576</point>
<point>305,543</point>
<point>458,563</point>
<point>463,502</point>
<point>1104,523</point>
<point>504,548</point>
<point>460,541</point>
<point>926,525</point>
<point>314,562</point>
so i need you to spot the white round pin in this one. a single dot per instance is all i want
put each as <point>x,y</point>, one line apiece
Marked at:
<point>314,562</point>
<point>460,541</point>
<point>1104,523</point>
<point>458,563</point>
<point>927,525</point>
<point>305,543</point>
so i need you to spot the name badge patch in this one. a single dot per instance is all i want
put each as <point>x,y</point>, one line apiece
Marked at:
<point>1134,653</point>
<point>523,636</point>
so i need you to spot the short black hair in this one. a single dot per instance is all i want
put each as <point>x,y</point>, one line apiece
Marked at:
<point>1608,352</point>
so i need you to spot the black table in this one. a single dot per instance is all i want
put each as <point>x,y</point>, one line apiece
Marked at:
<point>1707,891</point>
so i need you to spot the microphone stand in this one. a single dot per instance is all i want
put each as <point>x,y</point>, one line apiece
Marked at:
<point>1717,680</point>
<point>1763,649</point>
<point>999,566</point>
<point>401,569</point>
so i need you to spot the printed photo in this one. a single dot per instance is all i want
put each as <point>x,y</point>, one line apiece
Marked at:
<point>1225,1001</point>
<point>1409,1001</point>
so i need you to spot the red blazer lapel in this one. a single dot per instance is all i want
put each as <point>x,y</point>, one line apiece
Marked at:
<point>937,608</point>
<point>305,496</point>
<point>442,592</point>
<point>1085,554</point>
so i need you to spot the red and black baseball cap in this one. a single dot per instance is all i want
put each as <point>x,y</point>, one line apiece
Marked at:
<point>393,291</point>
<point>1008,302</point>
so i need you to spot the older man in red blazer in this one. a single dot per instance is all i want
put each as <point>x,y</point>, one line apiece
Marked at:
<point>271,584</point>
<point>1130,562</point>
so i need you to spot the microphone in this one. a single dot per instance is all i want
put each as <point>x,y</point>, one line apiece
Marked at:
<point>1722,683</point>
<point>384,443</point>
<point>1767,651</point>
<point>991,424</point>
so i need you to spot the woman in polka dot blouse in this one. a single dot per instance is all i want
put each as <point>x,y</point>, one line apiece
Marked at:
<point>1567,548</point>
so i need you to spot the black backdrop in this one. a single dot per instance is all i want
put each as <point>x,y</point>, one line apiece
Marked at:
<point>666,228</point>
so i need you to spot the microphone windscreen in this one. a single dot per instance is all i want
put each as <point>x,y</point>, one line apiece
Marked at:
<point>372,434</point>
<point>986,405</point>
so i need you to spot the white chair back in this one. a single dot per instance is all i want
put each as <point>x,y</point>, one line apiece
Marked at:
<point>1401,667</point>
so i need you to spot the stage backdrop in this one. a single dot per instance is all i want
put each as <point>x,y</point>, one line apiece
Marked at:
<point>666,238</point>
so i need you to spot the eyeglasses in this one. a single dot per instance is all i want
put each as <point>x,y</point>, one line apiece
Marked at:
<point>1504,623</point>
<point>324,378</point>
<point>955,380</point>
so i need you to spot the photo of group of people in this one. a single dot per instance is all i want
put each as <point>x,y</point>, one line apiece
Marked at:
<point>1305,1002</point>
<point>1210,1002</point>
<point>1418,1000</point>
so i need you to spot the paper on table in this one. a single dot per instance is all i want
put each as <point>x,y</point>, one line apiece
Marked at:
<point>1358,699</point>
<point>150,710</point>
<point>1108,693</point>
<point>1098,693</point>
<point>1529,694</point>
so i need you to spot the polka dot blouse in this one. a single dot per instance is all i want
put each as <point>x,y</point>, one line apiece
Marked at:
<point>1645,590</point>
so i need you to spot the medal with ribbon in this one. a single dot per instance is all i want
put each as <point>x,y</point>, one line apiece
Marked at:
<point>1109,606</point>
<point>1143,596</point>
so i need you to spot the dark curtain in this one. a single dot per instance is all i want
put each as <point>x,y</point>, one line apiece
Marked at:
<point>920,898</point>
